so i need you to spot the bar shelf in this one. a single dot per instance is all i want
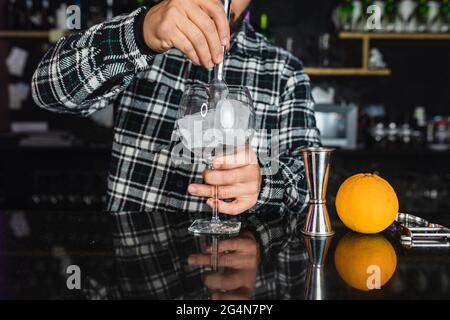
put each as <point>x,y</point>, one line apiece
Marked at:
<point>346,72</point>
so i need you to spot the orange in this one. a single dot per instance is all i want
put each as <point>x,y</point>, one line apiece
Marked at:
<point>357,254</point>
<point>366,203</point>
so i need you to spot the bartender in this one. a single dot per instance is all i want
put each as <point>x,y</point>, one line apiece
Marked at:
<point>141,63</point>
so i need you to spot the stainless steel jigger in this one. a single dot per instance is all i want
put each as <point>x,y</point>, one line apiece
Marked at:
<point>317,170</point>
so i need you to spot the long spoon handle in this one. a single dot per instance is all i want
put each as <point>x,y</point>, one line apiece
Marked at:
<point>218,68</point>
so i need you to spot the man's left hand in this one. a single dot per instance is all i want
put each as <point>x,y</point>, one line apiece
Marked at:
<point>237,176</point>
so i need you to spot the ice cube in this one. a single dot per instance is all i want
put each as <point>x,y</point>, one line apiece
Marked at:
<point>192,129</point>
<point>232,114</point>
<point>228,124</point>
<point>226,110</point>
<point>232,119</point>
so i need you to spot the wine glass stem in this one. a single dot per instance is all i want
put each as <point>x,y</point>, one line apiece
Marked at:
<point>215,217</point>
<point>215,211</point>
<point>215,254</point>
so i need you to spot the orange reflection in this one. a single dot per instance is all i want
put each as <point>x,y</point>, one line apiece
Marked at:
<point>365,262</point>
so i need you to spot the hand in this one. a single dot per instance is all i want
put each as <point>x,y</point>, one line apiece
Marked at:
<point>237,176</point>
<point>198,28</point>
<point>240,258</point>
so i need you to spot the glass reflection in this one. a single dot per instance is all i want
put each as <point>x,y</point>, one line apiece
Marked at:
<point>157,258</point>
<point>234,265</point>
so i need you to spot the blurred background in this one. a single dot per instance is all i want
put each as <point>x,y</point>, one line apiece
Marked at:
<point>381,82</point>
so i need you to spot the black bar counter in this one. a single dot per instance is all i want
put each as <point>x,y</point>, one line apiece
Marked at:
<point>151,255</point>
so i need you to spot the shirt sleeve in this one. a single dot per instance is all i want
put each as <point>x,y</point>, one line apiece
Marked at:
<point>86,71</point>
<point>284,185</point>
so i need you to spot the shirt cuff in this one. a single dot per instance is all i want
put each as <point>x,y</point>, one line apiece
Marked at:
<point>266,188</point>
<point>116,40</point>
<point>139,34</point>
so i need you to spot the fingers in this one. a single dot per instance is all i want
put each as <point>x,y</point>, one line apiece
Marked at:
<point>223,281</point>
<point>198,41</point>
<point>235,261</point>
<point>229,280</point>
<point>224,192</point>
<point>238,294</point>
<point>247,246</point>
<point>202,23</point>
<point>198,259</point>
<point>235,207</point>
<point>208,27</point>
<point>229,260</point>
<point>232,176</point>
<point>236,160</point>
<point>182,43</point>
<point>216,11</point>
<point>242,184</point>
<point>228,245</point>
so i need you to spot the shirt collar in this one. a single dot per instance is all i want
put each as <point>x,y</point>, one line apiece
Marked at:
<point>246,41</point>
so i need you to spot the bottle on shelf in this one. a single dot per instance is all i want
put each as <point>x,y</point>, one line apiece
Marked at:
<point>82,6</point>
<point>373,20</point>
<point>140,3</point>
<point>30,21</point>
<point>95,13</point>
<point>323,53</point>
<point>390,14</point>
<point>422,12</point>
<point>392,136</point>
<point>407,16</point>
<point>109,9</point>
<point>373,126</point>
<point>45,18</point>
<point>438,133</point>
<point>40,15</point>
<point>264,27</point>
<point>49,14</point>
<point>419,126</point>
<point>61,16</point>
<point>381,4</point>
<point>345,15</point>
<point>359,15</point>
<point>432,23</point>
<point>405,132</point>
<point>444,14</point>
<point>365,14</point>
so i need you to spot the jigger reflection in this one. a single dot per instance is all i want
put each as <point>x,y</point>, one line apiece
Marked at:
<point>317,170</point>
<point>317,249</point>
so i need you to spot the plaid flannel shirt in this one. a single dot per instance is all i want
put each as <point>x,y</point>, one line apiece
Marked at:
<point>105,66</point>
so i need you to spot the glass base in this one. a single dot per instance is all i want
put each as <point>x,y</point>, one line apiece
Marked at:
<point>202,226</point>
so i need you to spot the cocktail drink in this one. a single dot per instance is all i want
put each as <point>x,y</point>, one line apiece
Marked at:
<point>210,129</point>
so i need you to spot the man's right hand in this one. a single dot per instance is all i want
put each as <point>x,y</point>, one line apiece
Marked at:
<point>198,28</point>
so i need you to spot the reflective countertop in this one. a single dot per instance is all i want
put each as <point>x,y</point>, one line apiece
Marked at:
<point>151,255</point>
